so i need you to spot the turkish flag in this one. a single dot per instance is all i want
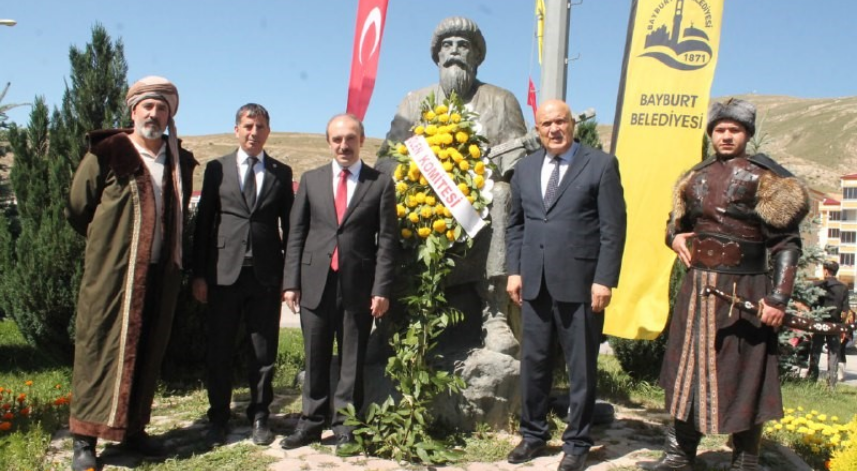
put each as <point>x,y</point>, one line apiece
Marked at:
<point>371,16</point>
<point>531,98</point>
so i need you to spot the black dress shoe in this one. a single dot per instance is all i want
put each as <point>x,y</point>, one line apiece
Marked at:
<point>84,457</point>
<point>299,438</point>
<point>262,433</point>
<point>525,451</point>
<point>572,462</point>
<point>216,435</point>
<point>145,445</point>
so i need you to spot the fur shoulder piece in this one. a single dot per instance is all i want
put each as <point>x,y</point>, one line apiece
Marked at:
<point>781,202</point>
<point>114,147</point>
<point>679,208</point>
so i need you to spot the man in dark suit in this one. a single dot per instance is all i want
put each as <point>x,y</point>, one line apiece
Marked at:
<point>339,274</point>
<point>565,238</point>
<point>239,245</point>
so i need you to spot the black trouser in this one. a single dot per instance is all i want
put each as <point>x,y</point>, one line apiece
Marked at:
<point>259,308</point>
<point>351,330</point>
<point>578,331</point>
<point>833,346</point>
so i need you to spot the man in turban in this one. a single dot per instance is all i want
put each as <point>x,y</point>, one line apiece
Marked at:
<point>128,198</point>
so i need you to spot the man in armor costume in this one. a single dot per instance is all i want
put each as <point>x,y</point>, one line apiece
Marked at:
<point>731,214</point>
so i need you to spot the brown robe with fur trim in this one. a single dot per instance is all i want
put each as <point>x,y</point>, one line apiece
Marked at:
<point>119,346</point>
<point>720,369</point>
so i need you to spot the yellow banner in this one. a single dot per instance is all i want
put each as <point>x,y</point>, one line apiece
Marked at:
<point>669,65</point>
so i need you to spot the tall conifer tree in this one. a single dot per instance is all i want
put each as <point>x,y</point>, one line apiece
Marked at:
<point>44,263</point>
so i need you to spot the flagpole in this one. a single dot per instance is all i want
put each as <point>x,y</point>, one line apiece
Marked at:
<point>554,76</point>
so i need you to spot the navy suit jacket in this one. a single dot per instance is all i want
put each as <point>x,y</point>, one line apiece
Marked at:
<point>224,222</point>
<point>579,239</point>
<point>367,239</point>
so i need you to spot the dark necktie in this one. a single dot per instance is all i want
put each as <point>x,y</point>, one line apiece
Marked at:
<point>553,184</point>
<point>341,204</point>
<point>250,183</point>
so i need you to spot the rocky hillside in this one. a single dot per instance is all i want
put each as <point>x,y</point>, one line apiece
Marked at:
<point>815,138</point>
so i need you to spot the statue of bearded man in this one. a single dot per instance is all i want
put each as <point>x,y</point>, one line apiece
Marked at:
<point>477,285</point>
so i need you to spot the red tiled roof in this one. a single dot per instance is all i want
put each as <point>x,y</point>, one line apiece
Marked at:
<point>853,176</point>
<point>829,201</point>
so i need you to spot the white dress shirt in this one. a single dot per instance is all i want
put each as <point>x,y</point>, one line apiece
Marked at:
<point>548,165</point>
<point>258,169</point>
<point>351,183</point>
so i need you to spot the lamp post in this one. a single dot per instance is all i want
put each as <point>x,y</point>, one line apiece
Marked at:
<point>8,22</point>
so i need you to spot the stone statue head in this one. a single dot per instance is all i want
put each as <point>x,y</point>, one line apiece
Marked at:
<point>458,48</point>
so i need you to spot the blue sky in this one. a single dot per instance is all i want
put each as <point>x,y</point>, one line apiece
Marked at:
<point>294,56</point>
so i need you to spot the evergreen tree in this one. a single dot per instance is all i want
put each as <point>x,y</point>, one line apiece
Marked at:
<point>39,289</point>
<point>587,132</point>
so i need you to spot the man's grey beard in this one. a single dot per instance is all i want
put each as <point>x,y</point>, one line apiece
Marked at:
<point>456,78</point>
<point>149,132</point>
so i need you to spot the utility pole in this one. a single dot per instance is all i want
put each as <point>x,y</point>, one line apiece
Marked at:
<point>555,49</point>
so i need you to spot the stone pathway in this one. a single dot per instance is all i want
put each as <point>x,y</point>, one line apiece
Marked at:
<point>634,437</point>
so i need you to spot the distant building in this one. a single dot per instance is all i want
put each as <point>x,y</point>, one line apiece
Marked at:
<point>838,230</point>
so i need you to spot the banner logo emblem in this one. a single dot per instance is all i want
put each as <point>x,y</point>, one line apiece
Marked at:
<point>680,41</point>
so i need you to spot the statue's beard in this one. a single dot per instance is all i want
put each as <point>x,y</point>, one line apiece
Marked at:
<point>456,78</point>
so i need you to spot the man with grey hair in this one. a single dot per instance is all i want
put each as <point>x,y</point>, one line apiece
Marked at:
<point>731,212</point>
<point>239,249</point>
<point>458,48</point>
<point>128,198</point>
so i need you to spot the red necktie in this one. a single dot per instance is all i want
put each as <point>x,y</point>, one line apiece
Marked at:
<point>341,204</point>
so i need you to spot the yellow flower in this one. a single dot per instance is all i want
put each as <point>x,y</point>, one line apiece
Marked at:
<point>447,212</point>
<point>429,115</point>
<point>446,138</point>
<point>778,426</point>
<point>464,165</point>
<point>479,181</point>
<point>414,175</point>
<point>401,211</point>
<point>413,167</point>
<point>424,232</point>
<point>455,118</point>
<point>441,109</point>
<point>461,137</point>
<point>431,130</point>
<point>479,168</point>
<point>450,234</point>
<point>397,175</point>
<point>471,199</point>
<point>414,217</point>
<point>407,233</point>
<point>433,140</point>
<point>431,200</point>
<point>440,210</point>
<point>435,149</point>
<point>426,212</point>
<point>419,130</point>
<point>464,188</point>
<point>443,154</point>
<point>439,226</point>
<point>474,150</point>
<point>402,149</point>
<point>412,201</point>
<point>443,118</point>
<point>456,156</point>
<point>423,181</point>
<point>447,166</point>
<point>420,197</point>
<point>822,417</point>
<point>401,187</point>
